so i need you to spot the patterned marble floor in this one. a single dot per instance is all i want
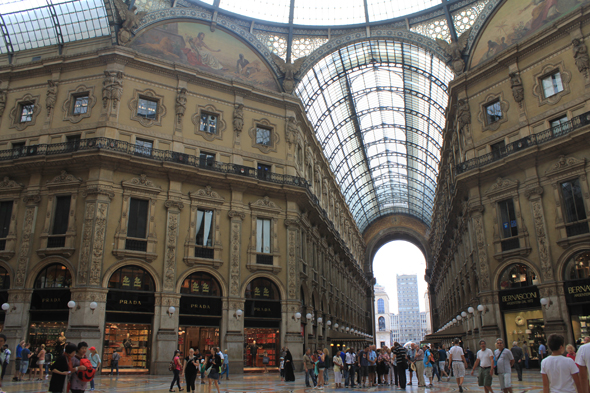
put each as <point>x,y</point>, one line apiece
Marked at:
<point>254,383</point>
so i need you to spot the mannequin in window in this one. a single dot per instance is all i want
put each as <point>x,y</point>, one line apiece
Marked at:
<point>61,342</point>
<point>127,345</point>
<point>253,352</point>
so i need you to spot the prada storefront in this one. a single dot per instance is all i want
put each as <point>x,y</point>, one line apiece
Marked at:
<point>129,318</point>
<point>262,321</point>
<point>577,293</point>
<point>49,306</point>
<point>200,313</point>
<point>520,304</point>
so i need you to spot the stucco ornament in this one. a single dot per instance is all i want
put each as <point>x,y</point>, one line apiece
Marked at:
<point>455,51</point>
<point>130,21</point>
<point>2,101</point>
<point>112,88</point>
<point>581,56</point>
<point>517,88</point>
<point>51,98</point>
<point>238,120</point>
<point>180,104</point>
<point>463,114</point>
<point>289,70</point>
<point>292,131</point>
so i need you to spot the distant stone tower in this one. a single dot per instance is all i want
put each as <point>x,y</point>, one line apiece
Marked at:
<point>382,318</point>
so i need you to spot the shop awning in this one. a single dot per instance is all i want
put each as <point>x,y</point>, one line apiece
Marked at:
<point>455,331</point>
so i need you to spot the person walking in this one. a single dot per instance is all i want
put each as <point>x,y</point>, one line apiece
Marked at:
<point>213,365</point>
<point>527,356</point>
<point>24,365</point>
<point>40,362</point>
<point>394,377</point>
<point>458,362</point>
<point>61,369</point>
<point>95,361</point>
<point>321,367</point>
<point>225,366</point>
<point>442,362</point>
<point>560,374</point>
<point>401,358</point>
<point>428,365</point>
<point>176,369</point>
<point>435,354</point>
<point>419,361</point>
<point>337,362</point>
<point>542,350</point>
<point>189,370</point>
<point>308,366</point>
<point>76,384</point>
<point>350,361</point>
<point>115,362</point>
<point>17,361</point>
<point>289,367</point>
<point>518,359</point>
<point>6,361</point>
<point>504,362</point>
<point>485,360</point>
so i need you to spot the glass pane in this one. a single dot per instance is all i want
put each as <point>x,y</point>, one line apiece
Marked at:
<point>208,123</point>
<point>62,213</point>
<point>493,112</point>
<point>5,216</point>
<point>27,112</point>
<point>147,108</point>
<point>263,136</point>
<point>81,105</point>
<point>138,215</point>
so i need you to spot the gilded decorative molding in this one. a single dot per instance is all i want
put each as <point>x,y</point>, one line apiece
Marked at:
<point>265,204</point>
<point>207,195</point>
<point>581,56</point>
<point>32,199</point>
<point>7,185</point>
<point>534,192</point>
<point>174,204</point>
<point>565,165</point>
<point>25,246</point>
<point>235,249</point>
<point>502,188</point>
<point>112,89</point>
<point>180,106</point>
<point>142,184</point>
<point>51,96</point>
<point>292,258</point>
<point>484,274</point>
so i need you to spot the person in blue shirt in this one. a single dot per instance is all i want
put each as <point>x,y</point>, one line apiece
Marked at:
<point>442,361</point>
<point>17,361</point>
<point>428,369</point>
<point>24,364</point>
<point>372,358</point>
<point>364,362</point>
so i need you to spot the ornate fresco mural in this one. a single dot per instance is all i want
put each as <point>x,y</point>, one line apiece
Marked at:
<point>517,19</point>
<point>194,44</point>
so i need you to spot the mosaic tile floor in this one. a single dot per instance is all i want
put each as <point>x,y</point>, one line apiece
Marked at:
<point>251,383</point>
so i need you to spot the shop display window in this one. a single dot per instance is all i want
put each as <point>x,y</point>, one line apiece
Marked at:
<point>581,327</point>
<point>203,338</point>
<point>527,327</point>
<point>258,340</point>
<point>46,333</point>
<point>517,276</point>
<point>578,267</point>
<point>132,341</point>
<point>54,276</point>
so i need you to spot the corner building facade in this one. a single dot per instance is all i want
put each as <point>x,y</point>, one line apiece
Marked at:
<point>510,238</point>
<point>175,207</point>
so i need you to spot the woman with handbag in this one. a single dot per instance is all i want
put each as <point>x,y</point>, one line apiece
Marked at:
<point>212,371</point>
<point>189,370</point>
<point>321,367</point>
<point>176,368</point>
<point>265,361</point>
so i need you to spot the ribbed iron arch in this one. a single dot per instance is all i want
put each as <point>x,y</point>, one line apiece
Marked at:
<point>378,109</point>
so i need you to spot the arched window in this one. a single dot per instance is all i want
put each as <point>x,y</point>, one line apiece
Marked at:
<point>380,306</point>
<point>132,278</point>
<point>262,289</point>
<point>55,275</point>
<point>381,324</point>
<point>517,276</point>
<point>578,266</point>
<point>201,284</point>
<point>4,279</point>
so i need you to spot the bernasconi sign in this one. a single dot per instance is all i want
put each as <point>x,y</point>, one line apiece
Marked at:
<point>516,299</point>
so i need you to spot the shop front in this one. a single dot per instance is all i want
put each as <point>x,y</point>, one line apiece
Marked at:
<point>129,319</point>
<point>4,287</point>
<point>577,294</point>
<point>262,321</point>
<point>49,312</point>
<point>520,304</point>
<point>200,313</point>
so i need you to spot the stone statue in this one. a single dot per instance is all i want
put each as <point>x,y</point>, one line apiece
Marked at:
<point>130,20</point>
<point>51,98</point>
<point>180,104</point>
<point>3,97</point>
<point>517,88</point>
<point>289,70</point>
<point>112,88</point>
<point>463,114</point>
<point>238,120</point>
<point>581,56</point>
<point>292,132</point>
<point>455,51</point>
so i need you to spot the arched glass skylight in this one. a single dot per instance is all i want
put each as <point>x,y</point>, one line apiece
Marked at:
<point>378,109</point>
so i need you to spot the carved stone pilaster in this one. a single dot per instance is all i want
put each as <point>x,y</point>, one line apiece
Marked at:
<point>24,252</point>
<point>482,256</point>
<point>174,208</point>
<point>93,242</point>
<point>541,234</point>
<point>236,219</point>
<point>292,229</point>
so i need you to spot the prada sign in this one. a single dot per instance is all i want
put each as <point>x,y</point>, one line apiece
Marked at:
<point>50,299</point>
<point>263,309</point>
<point>130,301</point>
<point>199,305</point>
<point>516,299</point>
<point>577,291</point>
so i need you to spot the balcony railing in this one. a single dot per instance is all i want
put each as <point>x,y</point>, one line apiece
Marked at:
<point>576,228</point>
<point>204,252</point>
<point>56,241</point>
<point>2,244</point>
<point>526,142</point>
<point>264,259</point>
<point>510,244</point>
<point>136,245</point>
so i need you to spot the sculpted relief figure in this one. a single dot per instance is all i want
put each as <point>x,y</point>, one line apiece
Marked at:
<point>517,88</point>
<point>180,104</point>
<point>51,96</point>
<point>463,114</point>
<point>2,101</point>
<point>292,131</point>
<point>238,120</point>
<point>112,88</point>
<point>289,70</point>
<point>130,20</point>
<point>581,56</point>
<point>455,51</point>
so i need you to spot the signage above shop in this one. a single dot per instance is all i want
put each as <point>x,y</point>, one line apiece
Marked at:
<point>50,299</point>
<point>199,305</point>
<point>577,291</point>
<point>130,301</point>
<point>263,309</point>
<point>516,299</point>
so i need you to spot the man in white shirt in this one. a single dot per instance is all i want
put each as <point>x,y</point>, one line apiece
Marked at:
<point>485,360</point>
<point>583,362</point>
<point>504,362</point>
<point>458,363</point>
<point>560,374</point>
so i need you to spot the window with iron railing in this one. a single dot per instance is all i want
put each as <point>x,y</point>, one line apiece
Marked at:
<point>559,126</point>
<point>143,147</point>
<point>573,205</point>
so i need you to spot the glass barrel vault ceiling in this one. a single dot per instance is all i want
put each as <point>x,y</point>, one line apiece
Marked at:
<point>325,12</point>
<point>378,109</point>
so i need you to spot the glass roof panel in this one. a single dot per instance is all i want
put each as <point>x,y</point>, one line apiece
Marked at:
<point>328,12</point>
<point>378,110</point>
<point>270,10</point>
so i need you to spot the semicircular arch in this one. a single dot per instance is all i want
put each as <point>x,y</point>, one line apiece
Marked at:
<point>132,262</point>
<point>204,269</point>
<point>513,261</point>
<point>268,276</point>
<point>42,264</point>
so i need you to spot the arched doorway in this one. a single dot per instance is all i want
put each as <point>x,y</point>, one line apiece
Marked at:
<point>49,306</point>
<point>521,308</point>
<point>129,318</point>
<point>262,321</point>
<point>200,312</point>
<point>576,277</point>
<point>4,287</point>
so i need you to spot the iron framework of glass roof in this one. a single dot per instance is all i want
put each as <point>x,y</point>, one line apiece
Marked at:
<point>378,109</point>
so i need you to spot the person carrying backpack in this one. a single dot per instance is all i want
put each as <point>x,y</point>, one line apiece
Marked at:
<point>95,361</point>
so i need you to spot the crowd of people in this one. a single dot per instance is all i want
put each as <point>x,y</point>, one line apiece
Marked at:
<point>210,366</point>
